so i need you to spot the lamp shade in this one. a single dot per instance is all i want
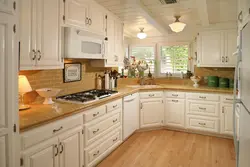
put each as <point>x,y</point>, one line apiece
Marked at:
<point>177,26</point>
<point>23,84</point>
<point>141,34</point>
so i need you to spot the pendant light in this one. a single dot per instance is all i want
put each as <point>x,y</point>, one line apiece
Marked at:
<point>177,26</point>
<point>141,34</point>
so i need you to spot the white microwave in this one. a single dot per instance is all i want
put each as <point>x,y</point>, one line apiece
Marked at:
<point>78,45</point>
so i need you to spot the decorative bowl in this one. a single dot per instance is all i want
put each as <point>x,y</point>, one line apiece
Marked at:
<point>48,93</point>
<point>196,80</point>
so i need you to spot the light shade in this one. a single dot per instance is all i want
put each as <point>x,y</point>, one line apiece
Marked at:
<point>177,26</point>
<point>141,34</point>
<point>23,84</point>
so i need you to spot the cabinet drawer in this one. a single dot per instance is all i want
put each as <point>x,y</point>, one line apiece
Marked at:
<point>40,134</point>
<point>227,99</point>
<point>201,96</point>
<point>114,105</point>
<point>99,128</point>
<point>94,113</point>
<point>203,108</point>
<point>146,95</point>
<point>180,95</point>
<point>94,153</point>
<point>202,123</point>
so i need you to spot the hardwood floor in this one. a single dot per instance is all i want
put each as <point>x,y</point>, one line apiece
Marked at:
<point>164,148</point>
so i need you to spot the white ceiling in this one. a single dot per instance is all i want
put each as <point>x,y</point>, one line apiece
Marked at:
<point>155,17</point>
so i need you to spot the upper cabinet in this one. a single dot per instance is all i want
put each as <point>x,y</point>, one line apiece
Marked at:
<point>40,36</point>
<point>216,48</point>
<point>8,6</point>
<point>85,15</point>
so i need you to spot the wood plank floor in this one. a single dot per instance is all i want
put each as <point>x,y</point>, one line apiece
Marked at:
<point>164,148</point>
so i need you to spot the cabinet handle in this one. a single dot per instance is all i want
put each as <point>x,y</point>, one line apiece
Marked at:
<point>57,150</point>
<point>229,99</point>
<point>240,16</point>
<point>223,59</point>
<point>56,130</point>
<point>39,55</point>
<point>115,139</point>
<point>223,110</point>
<point>151,95</point>
<point>115,106</point>
<point>34,54</point>
<point>175,95</point>
<point>226,58</point>
<point>203,124</point>
<point>87,20</point>
<point>61,148</point>
<point>202,97</point>
<point>176,101</point>
<point>201,108</point>
<point>95,154</point>
<point>141,106</point>
<point>95,131</point>
<point>103,49</point>
<point>115,120</point>
<point>94,115</point>
<point>90,21</point>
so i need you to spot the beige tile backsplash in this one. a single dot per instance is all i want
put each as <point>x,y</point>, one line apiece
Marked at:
<point>54,79</point>
<point>220,72</point>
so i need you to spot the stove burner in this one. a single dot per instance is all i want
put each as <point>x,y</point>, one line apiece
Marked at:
<point>87,96</point>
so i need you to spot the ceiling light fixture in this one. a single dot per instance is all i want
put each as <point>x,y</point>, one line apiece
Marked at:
<point>177,26</point>
<point>141,34</point>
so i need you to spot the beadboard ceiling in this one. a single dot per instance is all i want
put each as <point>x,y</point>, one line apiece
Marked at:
<point>155,17</point>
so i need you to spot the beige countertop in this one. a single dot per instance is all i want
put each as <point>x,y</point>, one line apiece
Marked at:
<point>40,114</point>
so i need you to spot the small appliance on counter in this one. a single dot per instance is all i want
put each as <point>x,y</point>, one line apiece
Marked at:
<point>87,96</point>
<point>48,93</point>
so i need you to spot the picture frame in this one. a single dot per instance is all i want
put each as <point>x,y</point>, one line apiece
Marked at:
<point>72,72</point>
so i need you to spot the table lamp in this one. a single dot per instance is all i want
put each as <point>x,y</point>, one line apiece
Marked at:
<point>23,87</point>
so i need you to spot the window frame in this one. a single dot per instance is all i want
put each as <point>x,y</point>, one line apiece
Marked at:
<point>158,59</point>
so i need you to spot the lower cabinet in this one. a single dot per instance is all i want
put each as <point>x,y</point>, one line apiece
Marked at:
<point>151,112</point>
<point>227,119</point>
<point>175,113</point>
<point>65,150</point>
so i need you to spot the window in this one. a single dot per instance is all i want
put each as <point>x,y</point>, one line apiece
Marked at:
<point>174,59</point>
<point>145,53</point>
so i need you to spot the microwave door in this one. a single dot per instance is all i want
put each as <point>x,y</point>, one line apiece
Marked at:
<point>91,50</point>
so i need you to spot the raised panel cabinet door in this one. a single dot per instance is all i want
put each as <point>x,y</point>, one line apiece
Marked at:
<point>230,47</point>
<point>227,119</point>
<point>71,148</point>
<point>48,34</point>
<point>119,41</point>
<point>43,154</point>
<point>97,19</point>
<point>8,6</point>
<point>111,40</point>
<point>152,113</point>
<point>28,56</point>
<point>76,13</point>
<point>211,49</point>
<point>175,112</point>
<point>8,91</point>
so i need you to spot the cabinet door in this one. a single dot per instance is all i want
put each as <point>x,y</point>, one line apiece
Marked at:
<point>76,13</point>
<point>230,47</point>
<point>119,55</point>
<point>8,91</point>
<point>227,119</point>
<point>7,6</point>
<point>210,50</point>
<point>48,38</point>
<point>43,154</point>
<point>175,112</point>
<point>71,148</point>
<point>111,40</point>
<point>27,34</point>
<point>97,19</point>
<point>151,113</point>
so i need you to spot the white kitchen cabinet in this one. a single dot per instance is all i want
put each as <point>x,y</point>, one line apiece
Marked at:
<point>175,112</point>
<point>85,15</point>
<point>243,12</point>
<point>151,112</point>
<point>41,155</point>
<point>40,36</point>
<point>215,48</point>
<point>8,6</point>
<point>227,119</point>
<point>9,152</point>
<point>65,150</point>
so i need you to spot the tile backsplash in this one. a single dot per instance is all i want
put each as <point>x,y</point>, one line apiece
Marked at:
<point>54,79</point>
<point>220,72</point>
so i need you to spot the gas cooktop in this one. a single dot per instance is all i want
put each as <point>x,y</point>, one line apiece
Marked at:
<point>87,96</point>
